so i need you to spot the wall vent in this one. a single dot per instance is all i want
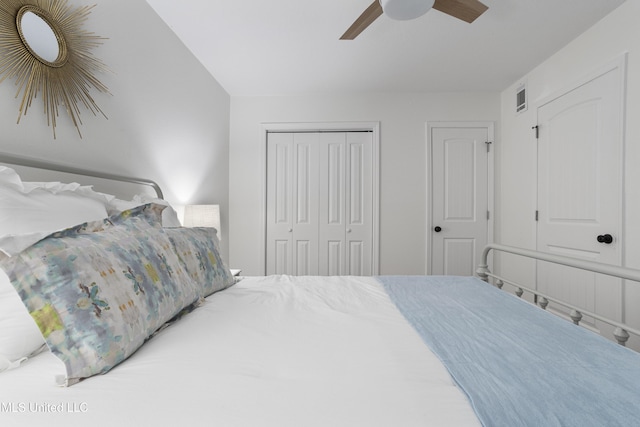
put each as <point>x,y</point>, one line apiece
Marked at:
<point>521,98</point>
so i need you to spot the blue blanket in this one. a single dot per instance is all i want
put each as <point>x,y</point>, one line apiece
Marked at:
<point>519,365</point>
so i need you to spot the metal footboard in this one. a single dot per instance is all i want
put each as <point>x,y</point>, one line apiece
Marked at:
<point>621,331</point>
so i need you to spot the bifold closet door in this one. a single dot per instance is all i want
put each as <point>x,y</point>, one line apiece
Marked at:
<point>346,205</point>
<point>292,203</point>
<point>319,203</point>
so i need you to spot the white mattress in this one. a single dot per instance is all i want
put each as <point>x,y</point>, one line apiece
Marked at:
<point>274,351</point>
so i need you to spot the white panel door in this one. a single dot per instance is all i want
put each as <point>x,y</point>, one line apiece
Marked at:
<point>292,204</point>
<point>580,174</point>
<point>359,203</point>
<point>320,203</point>
<point>346,203</point>
<point>305,203</point>
<point>333,223</point>
<point>459,221</point>
<point>279,204</point>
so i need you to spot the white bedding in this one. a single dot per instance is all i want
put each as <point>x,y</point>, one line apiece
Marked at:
<point>274,351</point>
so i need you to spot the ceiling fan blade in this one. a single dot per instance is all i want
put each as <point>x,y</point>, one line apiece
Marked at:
<point>466,10</point>
<point>368,16</point>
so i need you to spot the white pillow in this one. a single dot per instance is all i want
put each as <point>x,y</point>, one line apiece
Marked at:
<point>31,212</point>
<point>113,205</point>
<point>19,334</point>
<point>169,215</point>
<point>39,212</point>
<point>9,177</point>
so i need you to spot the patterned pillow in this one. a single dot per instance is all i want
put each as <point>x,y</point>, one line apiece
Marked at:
<point>98,290</point>
<point>198,250</point>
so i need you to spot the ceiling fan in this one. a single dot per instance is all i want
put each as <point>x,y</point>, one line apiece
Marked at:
<point>466,10</point>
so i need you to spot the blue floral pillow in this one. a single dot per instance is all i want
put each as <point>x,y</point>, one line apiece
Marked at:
<point>98,290</point>
<point>198,250</point>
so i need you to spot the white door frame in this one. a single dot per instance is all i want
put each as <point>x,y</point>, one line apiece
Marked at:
<point>373,127</point>
<point>429,184</point>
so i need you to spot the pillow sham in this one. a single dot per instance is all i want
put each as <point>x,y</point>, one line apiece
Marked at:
<point>19,334</point>
<point>10,177</point>
<point>169,215</point>
<point>97,291</point>
<point>27,214</point>
<point>33,213</point>
<point>198,248</point>
<point>113,205</point>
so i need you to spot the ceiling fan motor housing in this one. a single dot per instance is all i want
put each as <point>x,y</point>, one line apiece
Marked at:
<point>404,10</point>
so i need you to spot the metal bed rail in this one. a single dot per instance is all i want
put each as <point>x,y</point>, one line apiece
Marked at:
<point>621,331</point>
<point>40,164</point>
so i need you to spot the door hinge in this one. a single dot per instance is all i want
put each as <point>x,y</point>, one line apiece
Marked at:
<point>537,215</point>
<point>537,129</point>
<point>488,143</point>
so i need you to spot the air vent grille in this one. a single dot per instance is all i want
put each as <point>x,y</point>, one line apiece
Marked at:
<point>521,98</point>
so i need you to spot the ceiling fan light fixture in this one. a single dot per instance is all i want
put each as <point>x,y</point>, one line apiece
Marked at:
<point>404,10</point>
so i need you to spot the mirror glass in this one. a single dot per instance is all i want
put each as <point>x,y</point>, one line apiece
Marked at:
<point>40,37</point>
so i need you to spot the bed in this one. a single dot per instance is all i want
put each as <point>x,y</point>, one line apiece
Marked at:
<point>206,348</point>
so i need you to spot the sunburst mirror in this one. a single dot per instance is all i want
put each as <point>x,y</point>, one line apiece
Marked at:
<point>44,48</point>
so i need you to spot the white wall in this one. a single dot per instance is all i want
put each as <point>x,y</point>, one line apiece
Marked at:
<point>168,117</point>
<point>614,35</point>
<point>402,120</point>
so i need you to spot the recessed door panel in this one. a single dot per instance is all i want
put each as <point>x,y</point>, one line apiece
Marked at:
<point>460,179</point>
<point>459,257</point>
<point>281,257</point>
<point>282,183</point>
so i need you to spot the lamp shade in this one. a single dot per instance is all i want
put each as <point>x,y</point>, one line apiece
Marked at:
<point>404,10</point>
<point>202,216</point>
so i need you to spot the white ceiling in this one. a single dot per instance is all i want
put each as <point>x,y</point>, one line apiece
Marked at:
<point>292,47</point>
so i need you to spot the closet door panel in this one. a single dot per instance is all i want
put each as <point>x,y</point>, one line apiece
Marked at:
<point>359,203</point>
<point>305,203</point>
<point>279,203</point>
<point>335,258</point>
<point>332,204</point>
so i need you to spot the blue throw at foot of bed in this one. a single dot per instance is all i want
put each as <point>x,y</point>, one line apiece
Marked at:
<point>519,365</point>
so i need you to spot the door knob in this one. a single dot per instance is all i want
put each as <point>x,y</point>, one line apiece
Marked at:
<point>605,238</point>
<point>437,229</point>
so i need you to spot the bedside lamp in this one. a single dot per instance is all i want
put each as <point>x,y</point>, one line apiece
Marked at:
<point>203,216</point>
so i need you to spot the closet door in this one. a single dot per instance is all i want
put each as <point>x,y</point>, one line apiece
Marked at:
<point>346,204</point>
<point>359,206</point>
<point>580,193</point>
<point>292,203</point>
<point>333,224</point>
<point>320,203</point>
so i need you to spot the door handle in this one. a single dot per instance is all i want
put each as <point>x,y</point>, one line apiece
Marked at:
<point>605,238</point>
<point>437,229</point>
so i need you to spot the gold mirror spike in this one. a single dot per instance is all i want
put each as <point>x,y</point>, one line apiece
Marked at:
<point>63,82</point>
